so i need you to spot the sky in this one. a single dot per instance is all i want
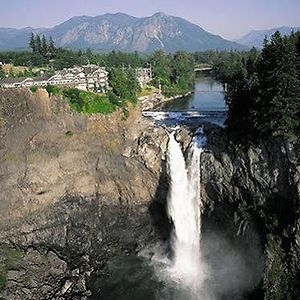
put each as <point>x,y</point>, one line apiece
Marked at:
<point>228,18</point>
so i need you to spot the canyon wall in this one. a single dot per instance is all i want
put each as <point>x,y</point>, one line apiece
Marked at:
<point>77,190</point>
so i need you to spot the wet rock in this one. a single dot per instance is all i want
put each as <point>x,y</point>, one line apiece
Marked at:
<point>67,287</point>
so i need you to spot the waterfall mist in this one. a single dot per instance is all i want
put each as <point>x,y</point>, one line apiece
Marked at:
<point>203,267</point>
<point>202,255</point>
<point>184,211</point>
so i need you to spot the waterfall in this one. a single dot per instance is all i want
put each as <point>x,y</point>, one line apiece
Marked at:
<point>184,205</point>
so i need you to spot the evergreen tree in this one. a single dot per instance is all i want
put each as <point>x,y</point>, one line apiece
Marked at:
<point>44,46</point>
<point>38,44</point>
<point>161,64</point>
<point>251,62</point>
<point>183,70</point>
<point>277,105</point>
<point>124,83</point>
<point>32,42</point>
<point>297,43</point>
<point>51,47</point>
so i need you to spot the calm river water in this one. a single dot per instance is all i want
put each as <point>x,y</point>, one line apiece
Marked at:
<point>208,95</point>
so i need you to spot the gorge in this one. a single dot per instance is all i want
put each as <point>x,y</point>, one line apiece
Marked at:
<point>81,211</point>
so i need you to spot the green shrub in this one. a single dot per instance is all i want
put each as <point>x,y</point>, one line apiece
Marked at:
<point>69,133</point>
<point>88,102</point>
<point>98,104</point>
<point>113,98</point>
<point>33,89</point>
<point>52,89</point>
<point>75,99</point>
<point>2,282</point>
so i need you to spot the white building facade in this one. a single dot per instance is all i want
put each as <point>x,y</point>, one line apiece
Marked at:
<point>88,77</point>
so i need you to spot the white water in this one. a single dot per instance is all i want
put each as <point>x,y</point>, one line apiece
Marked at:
<point>184,209</point>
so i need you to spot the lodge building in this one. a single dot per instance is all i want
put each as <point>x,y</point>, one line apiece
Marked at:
<point>88,77</point>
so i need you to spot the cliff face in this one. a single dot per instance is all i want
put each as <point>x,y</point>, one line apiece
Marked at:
<point>77,190</point>
<point>258,186</point>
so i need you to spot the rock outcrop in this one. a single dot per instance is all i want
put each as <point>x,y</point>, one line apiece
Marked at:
<point>257,185</point>
<point>77,190</point>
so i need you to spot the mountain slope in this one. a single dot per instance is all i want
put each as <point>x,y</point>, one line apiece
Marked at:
<point>123,32</point>
<point>256,37</point>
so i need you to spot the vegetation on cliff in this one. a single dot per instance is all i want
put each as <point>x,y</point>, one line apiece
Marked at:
<point>88,102</point>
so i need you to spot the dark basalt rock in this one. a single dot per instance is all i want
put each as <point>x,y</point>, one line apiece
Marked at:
<point>68,204</point>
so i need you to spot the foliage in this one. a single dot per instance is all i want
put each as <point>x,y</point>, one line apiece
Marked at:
<point>10,260</point>
<point>124,84</point>
<point>75,99</point>
<point>33,89</point>
<point>113,98</point>
<point>264,88</point>
<point>69,133</point>
<point>147,90</point>
<point>182,70</point>
<point>88,102</point>
<point>173,73</point>
<point>277,104</point>
<point>94,103</point>
<point>52,89</point>
<point>42,46</point>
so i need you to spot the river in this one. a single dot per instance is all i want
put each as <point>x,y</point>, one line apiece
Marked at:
<point>208,95</point>
<point>207,98</point>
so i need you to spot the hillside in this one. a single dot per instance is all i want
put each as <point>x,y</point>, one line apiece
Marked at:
<point>255,38</point>
<point>123,32</point>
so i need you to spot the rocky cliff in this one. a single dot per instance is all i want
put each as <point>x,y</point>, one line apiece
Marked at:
<point>77,190</point>
<point>257,186</point>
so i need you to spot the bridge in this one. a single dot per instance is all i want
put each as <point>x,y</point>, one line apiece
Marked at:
<point>184,115</point>
<point>203,68</point>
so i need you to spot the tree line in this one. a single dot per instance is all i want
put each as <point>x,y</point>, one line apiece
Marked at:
<point>264,94</point>
<point>172,72</point>
<point>42,46</point>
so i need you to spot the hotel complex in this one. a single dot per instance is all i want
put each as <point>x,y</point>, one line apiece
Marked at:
<point>88,77</point>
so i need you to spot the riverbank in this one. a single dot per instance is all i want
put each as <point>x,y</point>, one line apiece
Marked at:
<point>155,99</point>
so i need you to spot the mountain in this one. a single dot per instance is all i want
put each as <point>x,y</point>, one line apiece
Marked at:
<point>123,32</point>
<point>256,37</point>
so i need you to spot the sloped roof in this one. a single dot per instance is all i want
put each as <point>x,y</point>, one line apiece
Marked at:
<point>21,79</point>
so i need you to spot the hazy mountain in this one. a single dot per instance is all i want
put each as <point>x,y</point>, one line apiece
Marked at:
<point>123,32</point>
<point>256,37</point>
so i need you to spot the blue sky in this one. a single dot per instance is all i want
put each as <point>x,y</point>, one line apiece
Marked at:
<point>229,18</point>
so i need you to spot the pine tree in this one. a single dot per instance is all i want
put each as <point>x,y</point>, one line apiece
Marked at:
<point>51,47</point>
<point>38,44</point>
<point>44,46</point>
<point>32,42</point>
<point>277,104</point>
<point>286,103</point>
<point>297,42</point>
